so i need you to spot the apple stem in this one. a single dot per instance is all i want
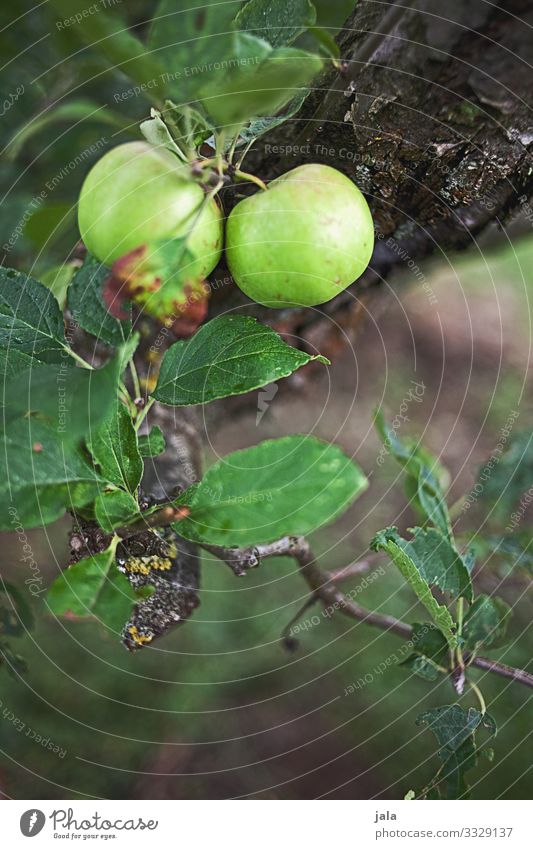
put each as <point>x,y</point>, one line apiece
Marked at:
<point>243,175</point>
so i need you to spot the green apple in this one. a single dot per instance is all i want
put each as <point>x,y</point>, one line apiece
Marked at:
<point>137,194</point>
<point>302,241</point>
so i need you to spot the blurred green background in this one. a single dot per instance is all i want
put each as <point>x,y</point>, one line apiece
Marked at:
<point>219,708</point>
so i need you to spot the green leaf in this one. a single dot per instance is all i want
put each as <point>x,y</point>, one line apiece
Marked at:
<point>283,486</point>
<point>93,587</point>
<point>430,650</point>
<point>30,318</point>
<point>153,443</point>
<point>73,112</point>
<point>115,508</point>
<point>72,400</point>
<point>229,355</point>
<point>515,549</point>
<point>437,560</point>
<point>277,21</point>
<point>42,476</point>
<point>108,35</point>
<point>455,730</point>
<point>256,90</point>
<point>260,126</point>
<point>194,44</point>
<point>58,279</point>
<point>13,362</point>
<point>431,502</point>
<point>486,623</point>
<point>115,449</point>
<point>86,304</point>
<point>426,477</point>
<point>507,474</point>
<point>157,133</point>
<point>413,560</point>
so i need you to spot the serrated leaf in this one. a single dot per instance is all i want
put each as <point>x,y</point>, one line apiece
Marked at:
<point>423,667</point>
<point>440,563</point>
<point>115,508</point>
<point>515,549</point>
<point>277,21</point>
<point>93,587</point>
<point>13,362</point>
<point>229,355</point>
<point>30,318</point>
<point>42,476</point>
<point>426,478</point>
<point>430,650</point>
<point>70,399</point>
<point>507,476</point>
<point>485,623</point>
<point>86,304</point>
<point>115,449</point>
<point>153,443</point>
<point>454,729</point>
<point>451,725</point>
<point>410,558</point>
<point>283,486</point>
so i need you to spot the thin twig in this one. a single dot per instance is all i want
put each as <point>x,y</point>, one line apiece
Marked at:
<point>505,671</point>
<point>323,588</point>
<point>353,569</point>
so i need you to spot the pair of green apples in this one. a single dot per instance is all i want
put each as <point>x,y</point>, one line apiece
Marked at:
<point>299,243</point>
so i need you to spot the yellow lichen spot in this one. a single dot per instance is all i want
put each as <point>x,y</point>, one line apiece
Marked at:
<point>140,639</point>
<point>162,564</point>
<point>138,565</point>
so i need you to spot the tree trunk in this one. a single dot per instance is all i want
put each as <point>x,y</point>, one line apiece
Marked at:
<point>431,117</point>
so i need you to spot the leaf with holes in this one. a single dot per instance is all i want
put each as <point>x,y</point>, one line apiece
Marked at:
<point>455,731</point>
<point>486,623</point>
<point>410,558</point>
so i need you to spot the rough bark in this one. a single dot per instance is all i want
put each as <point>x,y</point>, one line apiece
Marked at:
<point>431,117</point>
